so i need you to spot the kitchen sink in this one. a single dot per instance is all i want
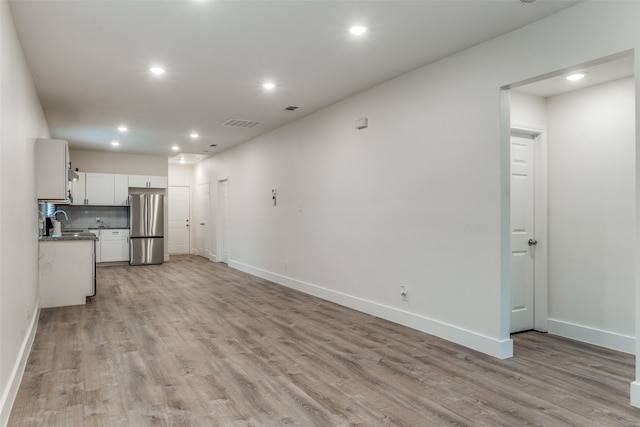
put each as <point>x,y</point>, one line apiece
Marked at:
<point>73,230</point>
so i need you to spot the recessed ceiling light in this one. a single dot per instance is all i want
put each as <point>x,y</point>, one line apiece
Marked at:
<point>157,70</point>
<point>194,135</point>
<point>357,30</point>
<point>576,76</point>
<point>115,143</point>
<point>268,85</point>
<point>123,128</point>
<point>175,148</point>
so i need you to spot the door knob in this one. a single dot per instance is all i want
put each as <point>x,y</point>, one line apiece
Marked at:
<point>533,242</point>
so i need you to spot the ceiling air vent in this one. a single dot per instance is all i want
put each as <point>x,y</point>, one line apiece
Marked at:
<point>241,123</point>
<point>291,108</point>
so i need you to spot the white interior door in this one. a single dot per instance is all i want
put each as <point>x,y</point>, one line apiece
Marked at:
<point>202,226</point>
<point>223,221</point>
<point>178,205</point>
<point>522,233</point>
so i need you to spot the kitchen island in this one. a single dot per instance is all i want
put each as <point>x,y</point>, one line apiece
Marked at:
<point>66,272</point>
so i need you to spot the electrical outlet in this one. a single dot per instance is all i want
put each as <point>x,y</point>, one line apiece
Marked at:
<point>286,264</point>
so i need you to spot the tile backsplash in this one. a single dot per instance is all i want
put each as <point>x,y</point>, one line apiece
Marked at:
<point>86,216</point>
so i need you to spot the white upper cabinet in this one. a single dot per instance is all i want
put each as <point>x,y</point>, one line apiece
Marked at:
<point>148,181</point>
<point>138,180</point>
<point>121,190</point>
<point>158,181</point>
<point>100,188</point>
<point>78,193</point>
<point>109,189</point>
<point>52,166</point>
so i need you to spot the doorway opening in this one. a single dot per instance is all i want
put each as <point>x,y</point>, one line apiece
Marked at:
<point>528,229</point>
<point>568,261</point>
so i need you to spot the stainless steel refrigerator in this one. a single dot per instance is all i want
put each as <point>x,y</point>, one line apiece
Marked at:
<point>146,237</point>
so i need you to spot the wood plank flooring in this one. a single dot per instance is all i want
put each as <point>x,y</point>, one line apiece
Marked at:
<point>193,343</point>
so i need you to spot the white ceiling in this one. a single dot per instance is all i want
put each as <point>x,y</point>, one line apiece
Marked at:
<point>90,61</point>
<point>596,73</point>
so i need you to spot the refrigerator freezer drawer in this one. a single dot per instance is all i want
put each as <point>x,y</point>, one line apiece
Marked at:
<point>146,250</point>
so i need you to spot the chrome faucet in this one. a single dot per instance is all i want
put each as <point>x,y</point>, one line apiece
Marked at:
<point>60,210</point>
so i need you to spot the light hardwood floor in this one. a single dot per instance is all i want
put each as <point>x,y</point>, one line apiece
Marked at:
<point>195,343</point>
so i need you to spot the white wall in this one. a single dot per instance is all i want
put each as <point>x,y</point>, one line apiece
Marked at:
<point>592,214</point>
<point>22,121</point>
<point>112,162</point>
<point>180,175</point>
<point>528,110</point>
<point>417,199</point>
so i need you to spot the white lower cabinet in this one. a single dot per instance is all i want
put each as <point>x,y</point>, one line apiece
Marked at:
<point>65,272</point>
<point>112,245</point>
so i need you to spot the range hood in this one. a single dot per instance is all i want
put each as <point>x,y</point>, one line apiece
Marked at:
<point>72,175</point>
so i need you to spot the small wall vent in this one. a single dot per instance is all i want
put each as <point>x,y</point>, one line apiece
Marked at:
<point>240,123</point>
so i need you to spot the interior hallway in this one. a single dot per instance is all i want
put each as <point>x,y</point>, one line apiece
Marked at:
<point>191,342</point>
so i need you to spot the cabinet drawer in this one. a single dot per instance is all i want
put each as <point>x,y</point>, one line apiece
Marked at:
<point>119,233</point>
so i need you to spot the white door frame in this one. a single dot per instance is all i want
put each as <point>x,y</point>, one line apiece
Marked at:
<point>197,230</point>
<point>219,223</point>
<point>541,282</point>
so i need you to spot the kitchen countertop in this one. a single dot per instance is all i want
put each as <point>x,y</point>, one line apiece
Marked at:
<point>69,236</point>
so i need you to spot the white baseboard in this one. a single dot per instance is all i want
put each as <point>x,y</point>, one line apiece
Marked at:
<point>497,348</point>
<point>10,392</point>
<point>635,394</point>
<point>608,339</point>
